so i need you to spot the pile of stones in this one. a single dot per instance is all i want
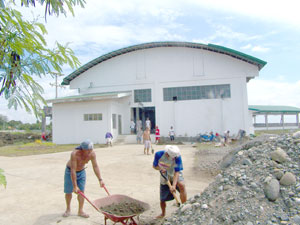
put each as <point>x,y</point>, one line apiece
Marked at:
<point>7,138</point>
<point>259,183</point>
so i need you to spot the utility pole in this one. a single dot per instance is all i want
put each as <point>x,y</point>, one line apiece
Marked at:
<point>56,84</point>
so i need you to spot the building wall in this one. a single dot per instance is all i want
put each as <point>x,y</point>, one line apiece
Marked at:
<point>163,65</point>
<point>69,126</point>
<point>158,68</point>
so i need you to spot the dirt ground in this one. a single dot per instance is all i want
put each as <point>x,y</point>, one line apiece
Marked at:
<point>34,193</point>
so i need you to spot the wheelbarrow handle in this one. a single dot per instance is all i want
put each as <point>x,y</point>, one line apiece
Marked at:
<point>169,184</point>
<point>81,193</point>
<point>106,190</point>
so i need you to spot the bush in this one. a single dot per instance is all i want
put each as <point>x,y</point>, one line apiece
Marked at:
<point>2,178</point>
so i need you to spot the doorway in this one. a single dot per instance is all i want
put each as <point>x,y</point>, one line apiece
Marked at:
<point>119,124</point>
<point>143,113</point>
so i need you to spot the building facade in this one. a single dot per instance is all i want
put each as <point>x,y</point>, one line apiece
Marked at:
<point>193,87</point>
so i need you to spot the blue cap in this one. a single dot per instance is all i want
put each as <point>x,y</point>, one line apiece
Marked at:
<point>86,145</point>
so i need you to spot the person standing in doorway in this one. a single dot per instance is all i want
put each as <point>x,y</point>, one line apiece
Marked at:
<point>148,124</point>
<point>139,134</point>
<point>147,141</point>
<point>132,126</point>
<point>172,133</point>
<point>157,135</point>
<point>138,125</point>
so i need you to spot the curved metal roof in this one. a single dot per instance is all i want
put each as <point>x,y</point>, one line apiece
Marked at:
<point>209,47</point>
<point>273,109</point>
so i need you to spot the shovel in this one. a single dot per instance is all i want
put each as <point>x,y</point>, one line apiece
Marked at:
<point>81,193</point>
<point>92,204</point>
<point>169,184</point>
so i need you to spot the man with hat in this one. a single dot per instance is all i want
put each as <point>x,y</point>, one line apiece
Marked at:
<point>169,162</point>
<point>75,175</point>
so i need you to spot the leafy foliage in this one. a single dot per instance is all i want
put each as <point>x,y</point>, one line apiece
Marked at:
<point>24,55</point>
<point>2,178</point>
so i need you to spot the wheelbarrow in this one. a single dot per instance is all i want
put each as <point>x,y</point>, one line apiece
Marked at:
<point>117,199</point>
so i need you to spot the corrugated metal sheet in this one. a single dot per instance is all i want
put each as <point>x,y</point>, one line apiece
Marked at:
<point>273,109</point>
<point>89,97</point>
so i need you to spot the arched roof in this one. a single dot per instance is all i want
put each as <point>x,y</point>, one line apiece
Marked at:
<point>209,47</point>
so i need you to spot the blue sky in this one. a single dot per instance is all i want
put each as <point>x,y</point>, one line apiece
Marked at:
<point>269,30</point>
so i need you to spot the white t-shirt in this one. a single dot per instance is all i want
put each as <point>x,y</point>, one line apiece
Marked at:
<point>148,122</point>
<point>172,132</point>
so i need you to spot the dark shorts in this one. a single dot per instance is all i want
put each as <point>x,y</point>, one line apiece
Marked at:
<point>165,194</point>
<point>172,138</point>
<point>68,185</point>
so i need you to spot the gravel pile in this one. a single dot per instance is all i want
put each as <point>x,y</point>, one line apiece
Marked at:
<point>258,184</point>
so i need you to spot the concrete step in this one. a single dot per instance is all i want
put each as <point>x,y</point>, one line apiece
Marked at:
<point>130,139</point>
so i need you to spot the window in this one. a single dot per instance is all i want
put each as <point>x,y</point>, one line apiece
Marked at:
<point>114,121</point>
<point>197,92</point>
<point>95,116</point>
<point>142,95</point>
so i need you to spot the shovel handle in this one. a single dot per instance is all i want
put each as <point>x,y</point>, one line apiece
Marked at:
<point>169,184</point>
<point>106,190</point>
<point>81,193</point>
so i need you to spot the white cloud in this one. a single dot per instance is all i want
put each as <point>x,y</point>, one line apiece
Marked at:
<point>248,46</point>
<point>260,49</point>
<point>269,10</point>
<point>277,92</point>
<point>255,48</point>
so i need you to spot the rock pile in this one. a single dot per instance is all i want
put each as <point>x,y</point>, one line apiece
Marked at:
<point>258,184</point>
<point>7,138</point>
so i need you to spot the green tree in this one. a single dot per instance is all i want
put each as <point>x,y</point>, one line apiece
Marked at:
<point>24,55</point>
<point>15,125</point>
<point>3,121</point>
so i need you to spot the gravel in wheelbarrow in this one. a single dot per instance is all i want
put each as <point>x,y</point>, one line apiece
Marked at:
<point>120,207</point>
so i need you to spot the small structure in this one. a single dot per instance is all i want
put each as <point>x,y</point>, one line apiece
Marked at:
<point>272,110</point>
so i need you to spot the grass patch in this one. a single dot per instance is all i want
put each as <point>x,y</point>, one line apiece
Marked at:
<point>37,148</point>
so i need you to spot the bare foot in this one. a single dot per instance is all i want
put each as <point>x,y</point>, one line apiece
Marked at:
<point>84,215</point>
<point>161,216</point>
<point>66,214</point>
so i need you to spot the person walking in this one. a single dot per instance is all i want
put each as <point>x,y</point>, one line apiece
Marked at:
<point>169,163</point>
<point>109,138</point>
<point>157,135</point>
<point>147,141</point>
<point>75,175</point>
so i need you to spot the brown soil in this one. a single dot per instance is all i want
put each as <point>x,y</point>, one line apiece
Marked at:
<point>34,193</point>
<point>123,209</point>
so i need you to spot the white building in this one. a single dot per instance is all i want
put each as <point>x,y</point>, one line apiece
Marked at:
<point>194,87</point>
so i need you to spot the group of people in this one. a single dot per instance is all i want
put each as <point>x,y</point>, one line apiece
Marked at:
<point>167,161</point>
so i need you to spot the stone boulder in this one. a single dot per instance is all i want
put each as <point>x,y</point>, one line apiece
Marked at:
<point>288,179</point>
<point>279,156</point>
<point>271,189</point>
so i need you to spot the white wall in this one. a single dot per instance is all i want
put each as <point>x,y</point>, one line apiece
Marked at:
<point>145,67</point>
<point>198,116</point>
<point>69,126</point>
<point>158,68</point>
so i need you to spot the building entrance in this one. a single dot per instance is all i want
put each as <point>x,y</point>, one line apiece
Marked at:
<point>143,113</point>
